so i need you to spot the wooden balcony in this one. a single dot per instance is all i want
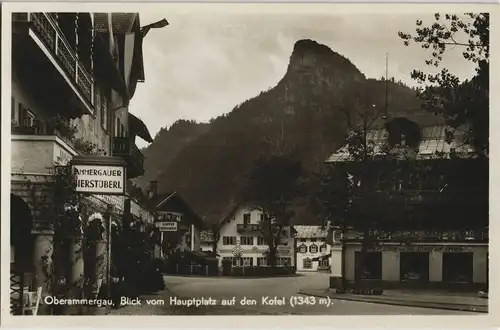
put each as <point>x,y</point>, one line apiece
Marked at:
<point>124,147</point>
<point>250,228</point>
<point>38,38</point>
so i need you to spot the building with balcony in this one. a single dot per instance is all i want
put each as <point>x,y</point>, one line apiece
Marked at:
<point>73,75</point>
<point>421,212</point>
<point>240,232</point>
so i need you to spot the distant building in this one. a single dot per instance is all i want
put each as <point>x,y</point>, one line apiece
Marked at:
<point>430,234</point>
<point>240,232</point>
<point>170,207</point>
<point>313,251</point>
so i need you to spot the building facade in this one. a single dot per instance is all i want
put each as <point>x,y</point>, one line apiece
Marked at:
<point>185,224</point>
<point>313,251</point>
<point>423,218</point>
<point>242,242</point>
<point>73,75</point>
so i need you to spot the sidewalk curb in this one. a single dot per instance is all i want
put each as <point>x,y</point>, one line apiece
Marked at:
<point>396,302</point>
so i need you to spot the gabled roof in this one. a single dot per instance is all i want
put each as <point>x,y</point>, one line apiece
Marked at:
<point>433,138</point>
<point>162,201</point>
<point>310,231</point>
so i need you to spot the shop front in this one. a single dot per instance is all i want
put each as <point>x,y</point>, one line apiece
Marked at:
<point>432,265</point>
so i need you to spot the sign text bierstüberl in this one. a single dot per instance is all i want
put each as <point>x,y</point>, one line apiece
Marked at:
<point>99,179</point>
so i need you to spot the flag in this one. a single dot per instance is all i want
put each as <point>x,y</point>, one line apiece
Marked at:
<point>157,25</point>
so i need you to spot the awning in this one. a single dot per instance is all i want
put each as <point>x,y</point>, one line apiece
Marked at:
<point>323,257</point>
<point>138,128</point>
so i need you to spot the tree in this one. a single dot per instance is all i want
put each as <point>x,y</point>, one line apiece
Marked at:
<point>463,105</point>
<point>273,184</point>
<point>213,233</point>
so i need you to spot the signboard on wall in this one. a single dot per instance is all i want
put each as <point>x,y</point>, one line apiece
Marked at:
<point>166,225</point>
<point>99,175</point>
<point>418,248</point>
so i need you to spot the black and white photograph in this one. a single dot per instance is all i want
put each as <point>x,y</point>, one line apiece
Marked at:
<point>176,162</point>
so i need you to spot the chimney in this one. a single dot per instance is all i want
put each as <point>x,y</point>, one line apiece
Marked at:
<point>153,189</point>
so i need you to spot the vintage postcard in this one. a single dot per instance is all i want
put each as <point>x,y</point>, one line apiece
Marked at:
<point>316,161</point>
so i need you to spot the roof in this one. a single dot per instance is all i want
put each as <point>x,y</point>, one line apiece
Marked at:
<point>433,141</point>
<point>163,200</point>
<point>310,231</point>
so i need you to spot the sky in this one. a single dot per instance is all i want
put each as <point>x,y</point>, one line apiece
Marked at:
<point>203,65</point>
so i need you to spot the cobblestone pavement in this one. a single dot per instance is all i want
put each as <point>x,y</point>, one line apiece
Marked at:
<point>219,288</point>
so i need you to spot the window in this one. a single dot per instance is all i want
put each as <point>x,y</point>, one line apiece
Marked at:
<point>261,261</point>
<point>247,261</point>
<point>118,133</point>
<point>313,248</point>
<point>414,266</point>
<point>303,248</point>
<point>307,263</point>
<point>228,240</point>
<point>324,263</point>
<point>261,217</point>
<point>283,261</point>
<point>323,248</point>
<point>457,267</point>
<point>371,268</point>
<point>246,218</point>
<point>313,240</point>
<point>246,240</point>
<point>302,239</point>
<point>261,240</point>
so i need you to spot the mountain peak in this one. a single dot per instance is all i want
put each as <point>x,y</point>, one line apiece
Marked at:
<point>310,46</point>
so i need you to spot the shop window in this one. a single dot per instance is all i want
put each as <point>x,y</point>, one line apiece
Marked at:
<point>414,266</point>
<point>303,248</point>
<point>371,268</point>
<point>307,263</point>
<point>313,248</point>
<point>457,267</point>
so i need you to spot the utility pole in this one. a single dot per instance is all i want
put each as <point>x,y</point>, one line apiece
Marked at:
<point>386,85</point>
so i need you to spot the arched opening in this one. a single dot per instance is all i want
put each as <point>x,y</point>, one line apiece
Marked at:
<point>21,240</point>
<point>21,250</point>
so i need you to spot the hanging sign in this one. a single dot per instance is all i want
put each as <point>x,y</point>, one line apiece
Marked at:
<point>99,175</point>
<point>166,225</point>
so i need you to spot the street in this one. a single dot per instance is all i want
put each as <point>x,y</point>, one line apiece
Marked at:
<point>224,288</point>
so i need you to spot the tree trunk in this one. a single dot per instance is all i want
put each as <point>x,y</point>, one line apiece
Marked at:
<point>271,257</point>
<point>343,258</point>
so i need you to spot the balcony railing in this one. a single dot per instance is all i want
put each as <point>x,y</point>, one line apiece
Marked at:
<point>45,27</point>
<point>247,228</point>
<point>126,148</point>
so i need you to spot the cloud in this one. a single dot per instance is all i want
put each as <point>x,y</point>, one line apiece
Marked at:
<point>201,66</point>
